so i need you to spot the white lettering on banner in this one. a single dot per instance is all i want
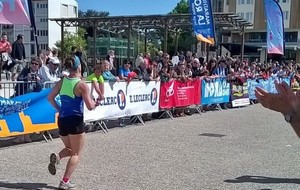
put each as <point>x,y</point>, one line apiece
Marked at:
<point>216,89</point>
<point>123,99</point>
<point>199,5</point>
<point>8,107</point>
<point>181,92</point>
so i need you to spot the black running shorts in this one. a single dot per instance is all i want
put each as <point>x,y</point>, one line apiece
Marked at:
<point>70,125</point>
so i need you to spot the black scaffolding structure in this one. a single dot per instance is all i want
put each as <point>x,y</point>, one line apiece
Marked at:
<point>171,22</point>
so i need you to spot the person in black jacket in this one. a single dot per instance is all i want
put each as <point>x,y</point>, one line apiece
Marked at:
<point>33,81</point>
<point>18,55</point>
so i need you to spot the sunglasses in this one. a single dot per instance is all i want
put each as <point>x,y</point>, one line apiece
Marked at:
<point>34,63</point>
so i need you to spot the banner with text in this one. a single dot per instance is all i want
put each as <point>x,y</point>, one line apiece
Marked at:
<point>215,91</point>
<point>272,88</point>
<point>253,83</point>
<point>202,20</point>
<point>22,115</point>
<point>239,94</point>
<point>179,94</point>
<point>125,99</point>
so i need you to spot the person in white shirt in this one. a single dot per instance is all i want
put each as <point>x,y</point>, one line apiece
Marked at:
<point>50,71</point>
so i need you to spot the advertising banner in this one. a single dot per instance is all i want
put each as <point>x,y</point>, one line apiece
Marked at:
<point>239,95</point>
<point>125,99</point>
<point>253,83</point>
<point>26,114</point>
<point>178,94</point>
<point>215,91</point>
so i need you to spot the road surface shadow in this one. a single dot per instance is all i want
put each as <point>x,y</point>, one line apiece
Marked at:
<point>30,186</point>
<point>262,179</point>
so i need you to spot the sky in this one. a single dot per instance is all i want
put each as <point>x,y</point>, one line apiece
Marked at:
<point>129,7</point>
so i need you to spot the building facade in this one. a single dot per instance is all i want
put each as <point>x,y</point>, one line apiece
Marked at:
<point>48,32</point>
<point>256,36</point>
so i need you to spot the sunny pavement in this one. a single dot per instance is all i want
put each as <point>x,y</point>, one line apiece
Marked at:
<point>258,151</point>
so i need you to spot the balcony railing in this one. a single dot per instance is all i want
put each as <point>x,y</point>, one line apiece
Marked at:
<point>265,40</point>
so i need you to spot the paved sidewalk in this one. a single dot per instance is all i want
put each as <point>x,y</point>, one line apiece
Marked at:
<point>239,149</point>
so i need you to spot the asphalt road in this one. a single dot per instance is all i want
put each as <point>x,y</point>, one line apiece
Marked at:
<point>239,149</point>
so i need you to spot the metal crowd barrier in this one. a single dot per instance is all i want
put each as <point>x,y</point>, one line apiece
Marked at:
<point>10,89</point>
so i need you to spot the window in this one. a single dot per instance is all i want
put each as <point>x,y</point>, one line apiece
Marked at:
<point>239,2</point>
<point>285,15</point>
<point>249,16</point>
<point>37,5</point>
<point>242,1</point>
<point>242,15</point>
<point>291,36</point>
<point>75,10</point>
<point>64,10</point>
<point>248,1</point>
<point>32,49</point>
<point>32,35</point>
<point>283,1</point>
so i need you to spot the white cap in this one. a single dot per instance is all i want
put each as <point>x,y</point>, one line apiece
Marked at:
<point>54,60</point>
<point>196,60</point>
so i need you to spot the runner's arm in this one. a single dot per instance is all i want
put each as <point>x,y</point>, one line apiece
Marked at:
<point>85,93</point>
<point>53,94</point>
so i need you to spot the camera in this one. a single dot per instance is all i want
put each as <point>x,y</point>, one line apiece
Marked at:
<point>33,76</point>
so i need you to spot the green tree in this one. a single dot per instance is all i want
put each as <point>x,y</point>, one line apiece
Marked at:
<point>71,40</point>
<point>92,13</point>
<point>185,36</point>
<point>181,8</point>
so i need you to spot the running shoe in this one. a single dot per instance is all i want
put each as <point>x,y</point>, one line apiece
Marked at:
<point>53,162</point>
<point>66,186</point>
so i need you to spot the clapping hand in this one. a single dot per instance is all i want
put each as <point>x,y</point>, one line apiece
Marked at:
<point>285,101</point>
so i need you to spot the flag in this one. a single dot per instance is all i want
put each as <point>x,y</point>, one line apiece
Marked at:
<point>14,12</point>
<point>275,27</point>
<point>202,20</point>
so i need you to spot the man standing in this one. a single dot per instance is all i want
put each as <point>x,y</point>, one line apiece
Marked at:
<point>285,102</point>
<point>18,54</point>
<point>5,49</point>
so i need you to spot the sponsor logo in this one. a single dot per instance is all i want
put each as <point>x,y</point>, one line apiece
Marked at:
<point>121,99</point>
<point>153,96</point>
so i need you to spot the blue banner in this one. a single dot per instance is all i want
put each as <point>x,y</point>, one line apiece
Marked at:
<point>26,114</point>
<point>275,27</point>
<point>215,91</point>
<point>253,83</point>
<point>272,80</point>
<point>202,20</point>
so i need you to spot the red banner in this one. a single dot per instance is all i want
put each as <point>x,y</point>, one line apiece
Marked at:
<point>178,94</point>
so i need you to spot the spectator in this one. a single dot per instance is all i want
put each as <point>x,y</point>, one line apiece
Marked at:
<point>111,58</point>
<point>107,75</point>
<point>196,69</point>
<point>50,71</point>
<point>5,49</point>
<point>154,72</point>
<point>165,74</point>
<point>18,54</point>
<point>125,70</point>
<point>138,59</point>
<point>147,60</point>
<point>32,78</point>
<point>97,81</point>
<point>143,74</point>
